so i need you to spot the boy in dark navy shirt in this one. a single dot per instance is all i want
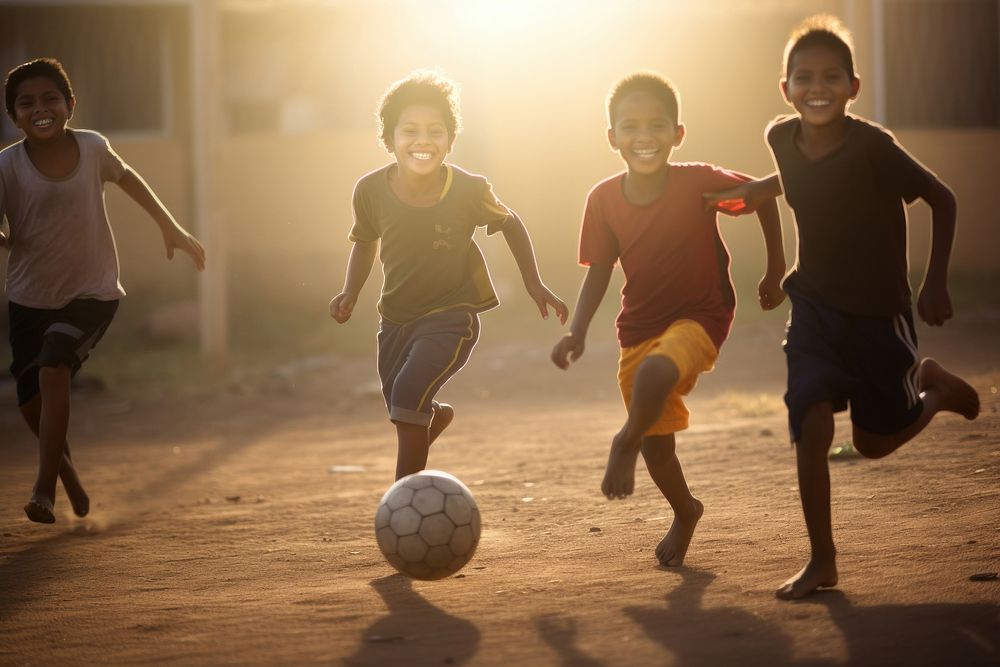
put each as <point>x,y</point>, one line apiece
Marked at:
<point>850,337</point>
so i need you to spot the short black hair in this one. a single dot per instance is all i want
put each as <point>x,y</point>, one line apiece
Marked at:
<point>425,87</point>
<point>825,31</point>
<point>49,68</point>
<point>647,82</point>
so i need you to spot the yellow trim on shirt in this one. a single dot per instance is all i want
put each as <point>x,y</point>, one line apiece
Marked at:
<point>449,176</point>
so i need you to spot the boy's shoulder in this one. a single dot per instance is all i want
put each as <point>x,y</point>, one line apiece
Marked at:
<point>688,174</point>
<point>10,152</point>
<point>88,136</point>
<point>783,125</point>
<point>457,175</point>
<point>787,125</point>
<point>373,177</point>
<point>610,184</point>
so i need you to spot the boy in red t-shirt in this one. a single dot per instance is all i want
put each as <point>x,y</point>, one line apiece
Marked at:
<point>678,299</point>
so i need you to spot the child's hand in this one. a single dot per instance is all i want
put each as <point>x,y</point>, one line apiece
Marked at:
<point>176,238</point>
<point>934,305</point>
<point>769,292</point>
<point>544,298</point>
<point>569,348</point>
<point>342,306</point>
<point>733,201</point>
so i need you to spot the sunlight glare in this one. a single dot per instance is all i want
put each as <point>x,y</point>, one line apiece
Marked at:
<point>512,16</point>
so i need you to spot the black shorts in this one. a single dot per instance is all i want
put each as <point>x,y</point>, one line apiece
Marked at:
<point>870,363</point>
<point>416,359</point>
<point>58,337</point>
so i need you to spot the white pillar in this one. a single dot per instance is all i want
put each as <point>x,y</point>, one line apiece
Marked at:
<point>207,129</point>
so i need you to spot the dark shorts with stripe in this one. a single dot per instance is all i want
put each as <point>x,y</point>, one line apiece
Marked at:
<point>869,363</point>
<point>57,337</point>
<point>417,358</point>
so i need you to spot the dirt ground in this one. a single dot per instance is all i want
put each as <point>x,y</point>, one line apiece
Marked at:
<point>221,535</point>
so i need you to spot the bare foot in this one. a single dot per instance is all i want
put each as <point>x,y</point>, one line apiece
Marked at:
<point>814,575</point>
<point>39,510</point>
<point>619,478</point>
<point>673,547</point>
<point>443,414</point>
<point>956,394</point>
<point>78,498</point>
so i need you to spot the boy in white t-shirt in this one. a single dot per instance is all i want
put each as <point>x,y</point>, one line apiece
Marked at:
<point>62,273</point>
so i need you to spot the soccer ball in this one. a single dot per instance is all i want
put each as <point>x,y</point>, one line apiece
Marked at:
<point>427,525</point>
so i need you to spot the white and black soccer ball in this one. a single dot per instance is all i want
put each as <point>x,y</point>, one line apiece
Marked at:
<point>427,525</point>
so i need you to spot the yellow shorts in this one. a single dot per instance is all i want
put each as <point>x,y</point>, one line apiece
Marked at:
<point>692,351</point>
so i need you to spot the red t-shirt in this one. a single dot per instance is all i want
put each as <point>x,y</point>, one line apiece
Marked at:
<point>675,262</point>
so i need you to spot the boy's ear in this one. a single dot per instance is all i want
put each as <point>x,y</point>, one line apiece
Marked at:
<point>679,133</point>
<point>783,85</point>
<point>71,105</point>
<point>855,87</point>
<point>611,139</point>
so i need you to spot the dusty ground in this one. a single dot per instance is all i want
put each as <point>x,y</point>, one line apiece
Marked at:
<point>220,535</point>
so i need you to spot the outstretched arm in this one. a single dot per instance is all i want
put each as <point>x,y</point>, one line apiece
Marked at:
<point>934,302</point>
<point>769,289</point>
<point>746,196</point>
<point>595,284</point>
<point>359,267</point>
<point>524,254</point>
<point>174,236</point>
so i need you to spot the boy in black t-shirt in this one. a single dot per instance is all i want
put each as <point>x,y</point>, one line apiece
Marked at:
<point>850,337</point>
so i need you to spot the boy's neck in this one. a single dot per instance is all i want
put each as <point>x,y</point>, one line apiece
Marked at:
<point>642,189</point>
<point>55,158</point>
<point>417,189</point>
<point>816,141</point>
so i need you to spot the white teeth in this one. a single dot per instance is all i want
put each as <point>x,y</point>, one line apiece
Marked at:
<point>421,156</point>
<point>818,103</point>
<point>44,122</point>
<point>647,153</point>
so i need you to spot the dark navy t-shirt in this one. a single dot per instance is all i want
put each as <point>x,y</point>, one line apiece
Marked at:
<point>850,213</point>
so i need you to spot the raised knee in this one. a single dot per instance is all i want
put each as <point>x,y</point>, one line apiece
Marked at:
<point>659,369</point>
<point>873,446</point>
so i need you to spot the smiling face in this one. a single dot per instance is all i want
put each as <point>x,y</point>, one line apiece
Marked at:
<point>421,140</point>
<point>818,86</point>
<point>41,111</point>
<point>644,133</point>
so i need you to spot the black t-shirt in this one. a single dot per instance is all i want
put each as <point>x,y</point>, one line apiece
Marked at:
<point>850,216</point>
<point>430,261</point>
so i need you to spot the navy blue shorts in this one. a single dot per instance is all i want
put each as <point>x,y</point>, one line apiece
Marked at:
<point>417,358</point>
<point>57,337</point>
<point>869,363</point>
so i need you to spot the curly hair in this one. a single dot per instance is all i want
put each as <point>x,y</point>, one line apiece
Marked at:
<point>425,87</point>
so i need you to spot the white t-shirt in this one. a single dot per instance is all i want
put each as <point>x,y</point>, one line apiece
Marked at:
<point>61,244</point>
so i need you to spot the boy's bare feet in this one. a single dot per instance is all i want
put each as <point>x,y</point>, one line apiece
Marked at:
<point>956,394</point>
<point>78,498</point>
<point>619,478</point>
<point>673,547</point>
<point>443,414</point>
<point>39,510</point>
<point>816,574</point>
